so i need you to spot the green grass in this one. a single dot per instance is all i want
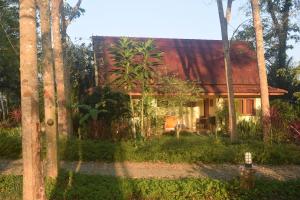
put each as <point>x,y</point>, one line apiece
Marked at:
<point>188,149</point>
<point>10,143</point>
<point>87,187</point>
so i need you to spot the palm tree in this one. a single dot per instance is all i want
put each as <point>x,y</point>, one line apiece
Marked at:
<point>228,68</point>
<point>49,89</point>
<point>33,187</point>
<point>64,116</point>
<point>264,90</point>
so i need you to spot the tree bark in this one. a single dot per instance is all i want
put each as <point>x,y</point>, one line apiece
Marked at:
<point>62,109</point>
<point>264,91</point>
<point>33,186</point>
<point>67,68</point>
<point>228,70</point>
<point>133,129</point>
<point>142,108</point>
<point>49,89</point>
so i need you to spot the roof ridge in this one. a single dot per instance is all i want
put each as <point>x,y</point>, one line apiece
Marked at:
<point>169,39</point>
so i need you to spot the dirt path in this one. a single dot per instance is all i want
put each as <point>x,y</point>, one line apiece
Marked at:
<point>162,170</point>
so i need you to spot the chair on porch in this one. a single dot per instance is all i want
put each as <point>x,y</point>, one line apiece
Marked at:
<point>206,124</point>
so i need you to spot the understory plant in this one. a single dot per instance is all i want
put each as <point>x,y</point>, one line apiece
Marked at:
<point>101,110</point>
<point>282,115</point>
<point>249,129</point>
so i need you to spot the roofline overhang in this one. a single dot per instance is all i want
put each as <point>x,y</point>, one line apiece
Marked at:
<point>219,94</point>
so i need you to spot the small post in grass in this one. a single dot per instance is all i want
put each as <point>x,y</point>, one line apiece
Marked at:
<point>247,174</point>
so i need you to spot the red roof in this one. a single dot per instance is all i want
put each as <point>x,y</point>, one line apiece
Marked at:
<point>201,61</point>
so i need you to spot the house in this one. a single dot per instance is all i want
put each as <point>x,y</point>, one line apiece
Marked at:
<point>202,62</point>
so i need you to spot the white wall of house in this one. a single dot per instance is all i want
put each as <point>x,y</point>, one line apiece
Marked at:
<point>191,114</point>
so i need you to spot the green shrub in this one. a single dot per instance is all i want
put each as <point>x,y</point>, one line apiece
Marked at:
<point>10,143</point>
<point>282,114</point>
<point>288,111</point>
<point>249,130</point>
<point>103,111</point>
<point>189,149</point>
<point>87,187</point>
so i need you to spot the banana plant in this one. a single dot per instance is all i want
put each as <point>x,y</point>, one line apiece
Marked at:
<point>91,112</point>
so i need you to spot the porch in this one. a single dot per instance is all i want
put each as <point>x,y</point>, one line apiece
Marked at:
<point>202,115</point>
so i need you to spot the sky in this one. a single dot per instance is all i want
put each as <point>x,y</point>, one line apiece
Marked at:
<point>189,19</point>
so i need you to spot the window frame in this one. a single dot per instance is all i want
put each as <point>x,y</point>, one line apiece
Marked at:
<point>243,107</point>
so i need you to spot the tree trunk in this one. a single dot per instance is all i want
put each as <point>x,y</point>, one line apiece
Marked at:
<point>142,109</point>
<point>2,106</point>
<point>49,89</point>
<point>67,69</point>
<point>33,186</point>
<point>62,110</point>
<point>132,118</point>
<point>179,125</point>
<point>264,91</point>
<point>228,70</point>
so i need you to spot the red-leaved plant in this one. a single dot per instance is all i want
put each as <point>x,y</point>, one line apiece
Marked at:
<point>15,116</point>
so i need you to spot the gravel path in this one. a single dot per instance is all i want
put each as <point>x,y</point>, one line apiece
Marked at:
<point>163,170</point>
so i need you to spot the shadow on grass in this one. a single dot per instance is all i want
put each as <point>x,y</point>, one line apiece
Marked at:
<point>10,151</point>
<point>75,183</point>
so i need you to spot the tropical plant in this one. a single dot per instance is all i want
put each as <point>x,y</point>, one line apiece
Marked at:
<point>91,112</point>
<point>282,115</point>
<point>9,53</point>
<point>249,130</point>
<point>81,62</point>
<point>125,71</point>
<point>176,94</point>
<point>148,58</point>
<point>101,108</point>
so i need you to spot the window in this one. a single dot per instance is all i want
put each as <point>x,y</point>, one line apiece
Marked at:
<point>246,106</point>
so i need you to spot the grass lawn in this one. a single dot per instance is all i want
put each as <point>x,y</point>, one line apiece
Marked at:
<point>188,149</point>
<point>87,187</point>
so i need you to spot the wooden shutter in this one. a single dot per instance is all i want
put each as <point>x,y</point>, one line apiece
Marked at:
<point>249,104</point>
<point>240,106</point>
<point>206,107</point>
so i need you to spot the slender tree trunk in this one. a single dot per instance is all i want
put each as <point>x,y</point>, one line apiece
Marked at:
<point>142,116</point>
<point>62,110</point>
<point>132,118</point>
<point>6,105</point>
<point>142,109</point>
<point>228,70</point>
<point>49,89</point>
<point>2,106</point>
<point>264,91</point>
<point>33,186</point>
<point>67,69</point>
<point>179,126</point>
